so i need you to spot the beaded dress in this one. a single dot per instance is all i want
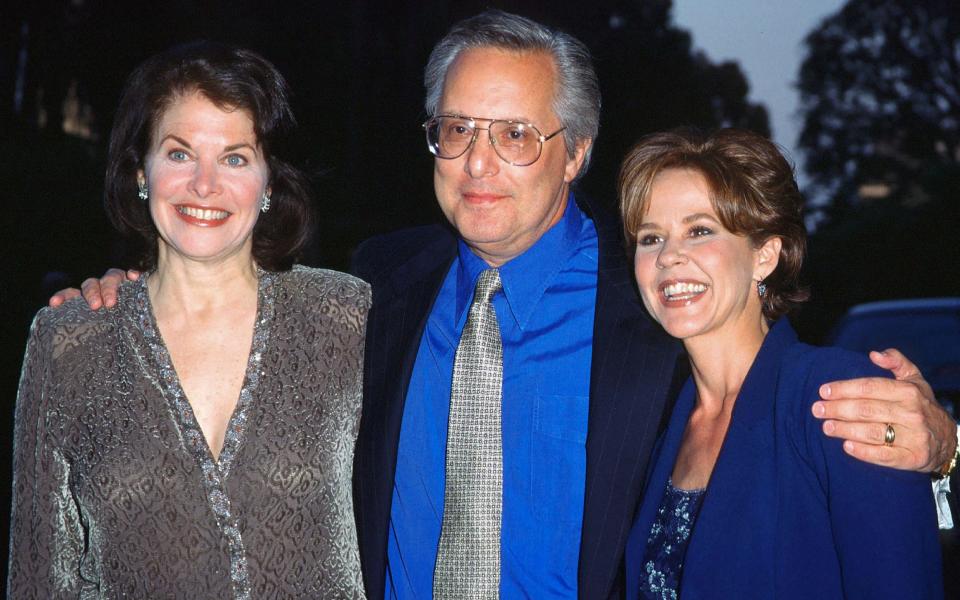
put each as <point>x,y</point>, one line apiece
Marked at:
<point>116,494</point>
<point>667,544</point>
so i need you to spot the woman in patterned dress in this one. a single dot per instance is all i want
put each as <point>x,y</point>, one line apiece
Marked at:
<point>196,441</point>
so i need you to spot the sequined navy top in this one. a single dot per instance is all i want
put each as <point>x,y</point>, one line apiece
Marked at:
<point>667,544</point>
<point>116,494</point>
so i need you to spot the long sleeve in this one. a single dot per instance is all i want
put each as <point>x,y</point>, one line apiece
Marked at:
<point>46,537</point>
<point>883,520</point>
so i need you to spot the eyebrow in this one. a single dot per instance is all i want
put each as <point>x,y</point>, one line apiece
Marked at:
<point>233,147</point>
<point>229,148</point>
<point>698,216</point>
<point>175,138</point>
<point>686,219</point>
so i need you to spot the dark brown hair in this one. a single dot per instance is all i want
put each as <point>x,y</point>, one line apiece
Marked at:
<point>753,192</point>
<point>231,78</point>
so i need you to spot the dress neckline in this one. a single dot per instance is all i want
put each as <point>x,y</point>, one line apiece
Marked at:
<point>692,492</point>
<point>214,471</point>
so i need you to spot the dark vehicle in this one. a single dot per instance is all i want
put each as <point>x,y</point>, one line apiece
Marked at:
<point>927,330</point>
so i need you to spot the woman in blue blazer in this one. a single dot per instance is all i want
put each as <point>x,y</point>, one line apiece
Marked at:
<point>746,498</point>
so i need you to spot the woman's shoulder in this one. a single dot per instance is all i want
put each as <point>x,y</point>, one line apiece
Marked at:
<point>806,365</point>
<point>803,370</point>
<point>74,324</point>
<point>308,291</point>
<point>311,287</point>
<point>320,309</point>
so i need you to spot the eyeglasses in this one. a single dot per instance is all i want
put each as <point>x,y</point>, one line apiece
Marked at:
<point>519,144</point>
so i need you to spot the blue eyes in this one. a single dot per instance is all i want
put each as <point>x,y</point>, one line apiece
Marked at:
<point>231,160</point>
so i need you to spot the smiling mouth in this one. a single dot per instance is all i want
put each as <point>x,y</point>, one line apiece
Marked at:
<point>203,214</point>
<point>681,291</point>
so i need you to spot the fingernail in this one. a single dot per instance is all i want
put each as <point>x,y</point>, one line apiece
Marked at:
<point>825,391</point>
<point>819,409</point>
<point>848,446</point>
<point>829,427</point>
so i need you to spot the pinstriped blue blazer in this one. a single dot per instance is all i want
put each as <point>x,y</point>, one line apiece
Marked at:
<point>634,377</point>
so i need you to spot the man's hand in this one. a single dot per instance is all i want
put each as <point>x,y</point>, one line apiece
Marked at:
<point>858,411</point>
<point>97,292</point>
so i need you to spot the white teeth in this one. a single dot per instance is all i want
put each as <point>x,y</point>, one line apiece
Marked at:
<point>680,289</point>
<point>204,214</point>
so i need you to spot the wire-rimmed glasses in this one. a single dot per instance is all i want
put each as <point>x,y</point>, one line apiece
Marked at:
<point>516,143</point>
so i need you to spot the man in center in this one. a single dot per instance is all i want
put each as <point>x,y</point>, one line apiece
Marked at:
<point>586,375</point>
<point>514,385</point>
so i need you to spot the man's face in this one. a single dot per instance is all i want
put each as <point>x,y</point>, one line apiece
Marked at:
<point>501,210</point>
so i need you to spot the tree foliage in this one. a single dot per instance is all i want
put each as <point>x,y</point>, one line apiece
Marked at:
<point>880,94</point>
<point>880,98</point>
<point>653,79</point>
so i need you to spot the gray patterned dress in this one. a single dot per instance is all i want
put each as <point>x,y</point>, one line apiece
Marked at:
<point>116,494</point>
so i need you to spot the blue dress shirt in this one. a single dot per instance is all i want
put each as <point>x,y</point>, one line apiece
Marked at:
<point>545,313</point>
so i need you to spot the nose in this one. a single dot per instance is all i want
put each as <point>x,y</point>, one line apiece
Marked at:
<point>671,254</point>
<point>482,159</point>
<point>206,179</point>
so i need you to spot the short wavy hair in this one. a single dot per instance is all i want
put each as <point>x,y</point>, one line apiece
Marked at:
<point>753,191</point>
<point>232,78</point>
<point>576,101</point>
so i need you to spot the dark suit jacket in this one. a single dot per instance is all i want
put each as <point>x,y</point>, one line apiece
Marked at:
<point>632,378</point>
<point>787,513</point>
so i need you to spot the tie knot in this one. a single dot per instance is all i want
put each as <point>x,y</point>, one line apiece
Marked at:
<point>488,284</point>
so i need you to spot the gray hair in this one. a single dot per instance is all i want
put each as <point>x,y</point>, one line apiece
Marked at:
<point>576,100</point>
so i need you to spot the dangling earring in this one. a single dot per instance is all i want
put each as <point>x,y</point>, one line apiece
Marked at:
<point>761,289</point>
<point>142,190</point>
<point>265,203</point>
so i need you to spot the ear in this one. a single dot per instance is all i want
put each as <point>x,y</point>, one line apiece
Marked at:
<point>141,178</point>
<point>766,258</point>
<point>576,161</point>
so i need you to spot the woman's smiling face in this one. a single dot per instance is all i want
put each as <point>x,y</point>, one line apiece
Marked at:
<point>694,275</point>
<point>206,175</point>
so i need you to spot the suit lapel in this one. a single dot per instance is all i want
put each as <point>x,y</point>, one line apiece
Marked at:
<point>403,299</point>
<point>631,375</point>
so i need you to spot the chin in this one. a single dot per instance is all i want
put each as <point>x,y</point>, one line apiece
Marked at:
<point>477,230</point>
<point>682,328</point>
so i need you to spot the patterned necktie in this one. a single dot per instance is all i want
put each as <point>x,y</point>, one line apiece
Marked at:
<point>468,559</point>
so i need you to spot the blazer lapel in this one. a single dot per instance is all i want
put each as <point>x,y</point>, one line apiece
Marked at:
<point>403,298</point>
<point>742,488</point>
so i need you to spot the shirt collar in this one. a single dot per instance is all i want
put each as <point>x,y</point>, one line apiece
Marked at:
<point>526,277</point>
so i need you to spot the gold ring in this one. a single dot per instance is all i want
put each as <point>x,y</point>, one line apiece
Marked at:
<point>889,435</point>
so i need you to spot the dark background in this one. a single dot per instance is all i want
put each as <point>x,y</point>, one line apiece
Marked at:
<point>881,131</point>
